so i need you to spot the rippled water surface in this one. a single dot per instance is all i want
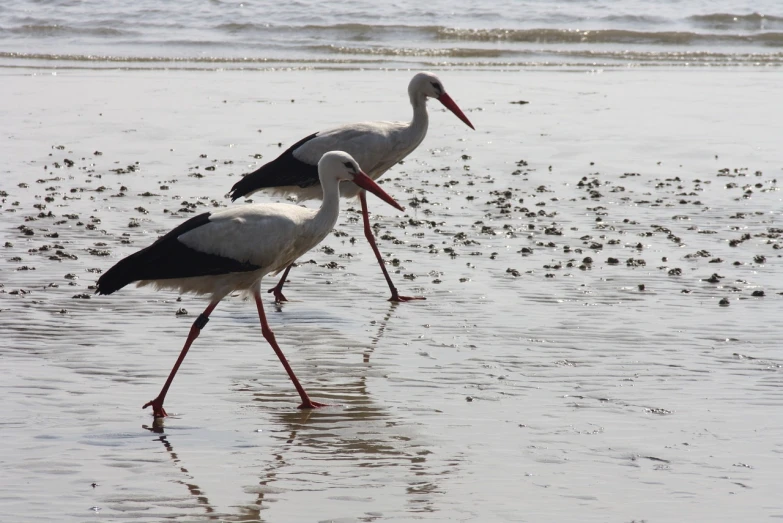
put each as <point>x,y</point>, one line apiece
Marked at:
<point>360,33</point>
<point>572,361</point>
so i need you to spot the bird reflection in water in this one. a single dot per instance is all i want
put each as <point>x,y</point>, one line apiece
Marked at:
<point>195,490</point>
<point>348,442</point>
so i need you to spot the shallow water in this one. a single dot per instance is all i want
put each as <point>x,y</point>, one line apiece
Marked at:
<point>522,389</point>
<point>352,34</point>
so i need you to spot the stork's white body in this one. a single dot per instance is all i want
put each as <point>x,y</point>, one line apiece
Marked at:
<point>271,236</point>
<point>378,145</point>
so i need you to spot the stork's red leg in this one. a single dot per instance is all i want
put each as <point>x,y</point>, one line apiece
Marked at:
<point>157,404</point>
<point>278,289</point>
<point>307,403</point>
<point>371,238</point>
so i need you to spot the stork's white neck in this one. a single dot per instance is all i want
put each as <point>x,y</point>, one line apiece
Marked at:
<point>417,129</point>
<point>330,206</point>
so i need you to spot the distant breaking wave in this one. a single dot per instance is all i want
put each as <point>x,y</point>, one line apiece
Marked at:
<point>668,56</point>
<point>56,30</point>
<point>607,36</point>
<point>344,56</point>
<point>734,21</point>
<point>396,51</point>
<point>552,35</point>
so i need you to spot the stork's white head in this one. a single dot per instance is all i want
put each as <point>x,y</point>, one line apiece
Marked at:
<point>427,85</point>
<point>338,166</point>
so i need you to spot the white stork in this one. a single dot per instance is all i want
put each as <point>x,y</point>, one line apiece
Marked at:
<point>377,146</point>
<point>232,249</point>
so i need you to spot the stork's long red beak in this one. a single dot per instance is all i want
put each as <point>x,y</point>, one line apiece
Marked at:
<point>367,183</point>
<point>451,105</point>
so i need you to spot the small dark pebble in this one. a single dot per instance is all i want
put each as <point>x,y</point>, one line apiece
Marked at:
<point>182,312</point>
<point>724,302</point>
<point>641,286</point>
<point>468,399</point>
<point>758,294</point>
<point>612,261</point>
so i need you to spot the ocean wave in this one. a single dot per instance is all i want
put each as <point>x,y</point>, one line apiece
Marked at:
<point>345,28</point>
<point>129,59</point>
<point>752,21</point>
<point>606,36</point>
<point>241,27</point>
<point>331,55</point>
<point>631,19</point>
<point>405,51</point>
<point>703,57</point>
<point>57,30</point>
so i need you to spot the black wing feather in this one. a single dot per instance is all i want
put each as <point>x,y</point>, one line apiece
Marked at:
<point>283,171</point>
<point>169,258</point>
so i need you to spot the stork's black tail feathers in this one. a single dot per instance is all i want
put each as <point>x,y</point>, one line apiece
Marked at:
<point>150,263</point>
<point>121,274</point>
<point>283,171</point>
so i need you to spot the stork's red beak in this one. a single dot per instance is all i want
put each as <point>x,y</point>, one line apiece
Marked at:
<point>367,183</point>
<point>452,106</point>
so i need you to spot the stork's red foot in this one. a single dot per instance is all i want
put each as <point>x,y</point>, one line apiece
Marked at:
<point>399,299</point>
<point>157,407</point>
<point>278,292</point>
<point>310,404</point>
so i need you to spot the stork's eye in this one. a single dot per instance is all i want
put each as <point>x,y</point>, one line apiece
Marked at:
<point>437,86</point>
<point>349,165</point>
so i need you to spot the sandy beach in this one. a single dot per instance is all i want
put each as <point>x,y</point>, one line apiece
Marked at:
<point>600,340</point>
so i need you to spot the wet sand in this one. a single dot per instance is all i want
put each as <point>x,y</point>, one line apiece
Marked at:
<point>600,339</point>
